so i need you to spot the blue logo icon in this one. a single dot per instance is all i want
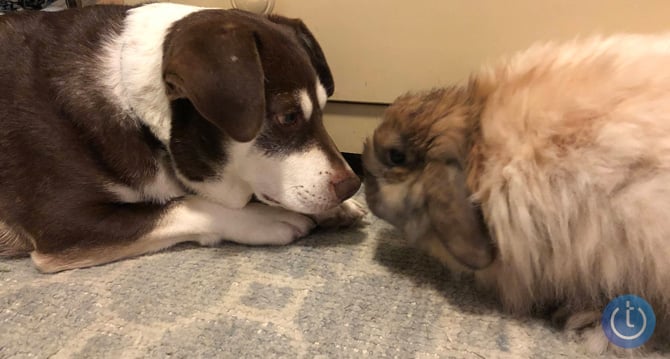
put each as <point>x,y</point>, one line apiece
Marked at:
<point>628,321</point>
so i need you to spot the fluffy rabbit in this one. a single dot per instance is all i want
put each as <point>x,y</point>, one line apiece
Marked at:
<point>547,175</point>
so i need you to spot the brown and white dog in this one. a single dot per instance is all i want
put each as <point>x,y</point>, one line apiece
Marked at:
<point>124,131</point>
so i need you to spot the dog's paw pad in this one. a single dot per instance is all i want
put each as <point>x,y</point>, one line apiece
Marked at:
<point>349,213</point>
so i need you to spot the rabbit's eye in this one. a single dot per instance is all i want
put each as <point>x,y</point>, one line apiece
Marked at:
<point>453,162</point>
<point>396,157</point>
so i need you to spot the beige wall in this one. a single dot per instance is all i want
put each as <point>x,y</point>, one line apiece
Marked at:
<point>378,49</point>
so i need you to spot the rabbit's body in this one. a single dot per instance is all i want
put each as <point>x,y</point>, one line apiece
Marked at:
<point>565,152</point>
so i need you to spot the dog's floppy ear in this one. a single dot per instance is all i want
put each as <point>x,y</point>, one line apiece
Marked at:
<point>219,70</point>
<point>457,222</point>
<point>309,43</point>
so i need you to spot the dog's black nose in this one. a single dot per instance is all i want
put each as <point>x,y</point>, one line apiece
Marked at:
<point>347,187</point>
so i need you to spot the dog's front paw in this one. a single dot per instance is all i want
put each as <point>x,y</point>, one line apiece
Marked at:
<point>347,214</point>
<point>276,226</point>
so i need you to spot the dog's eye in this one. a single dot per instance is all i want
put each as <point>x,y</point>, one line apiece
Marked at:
<point>396,157</point>
<point>288,119</point>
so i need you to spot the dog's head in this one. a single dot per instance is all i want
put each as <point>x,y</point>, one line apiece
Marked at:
<point>247,94</point>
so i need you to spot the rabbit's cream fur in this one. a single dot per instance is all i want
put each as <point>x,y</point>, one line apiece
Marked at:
<point>548,175</point>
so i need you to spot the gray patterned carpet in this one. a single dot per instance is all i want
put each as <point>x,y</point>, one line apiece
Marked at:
<point>354,293</point>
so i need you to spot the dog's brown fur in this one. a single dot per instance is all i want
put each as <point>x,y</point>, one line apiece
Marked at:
<point>119,125</point>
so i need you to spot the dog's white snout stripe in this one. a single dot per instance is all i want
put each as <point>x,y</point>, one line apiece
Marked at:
<point>306,104</point>
<point>321,94</point>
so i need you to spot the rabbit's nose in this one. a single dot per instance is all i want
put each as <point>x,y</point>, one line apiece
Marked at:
<point>346,187</point>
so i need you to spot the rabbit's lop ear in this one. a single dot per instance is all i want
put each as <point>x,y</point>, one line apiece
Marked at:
<point>454,218</point>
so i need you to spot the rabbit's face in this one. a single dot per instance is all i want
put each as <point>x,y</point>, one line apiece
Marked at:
<point>392,175</point>
<point>415,179</point>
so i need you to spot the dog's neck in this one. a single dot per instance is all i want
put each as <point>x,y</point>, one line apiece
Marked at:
<point>133,65</point>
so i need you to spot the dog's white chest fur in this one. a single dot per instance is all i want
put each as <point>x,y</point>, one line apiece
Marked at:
<point>161,189</point>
